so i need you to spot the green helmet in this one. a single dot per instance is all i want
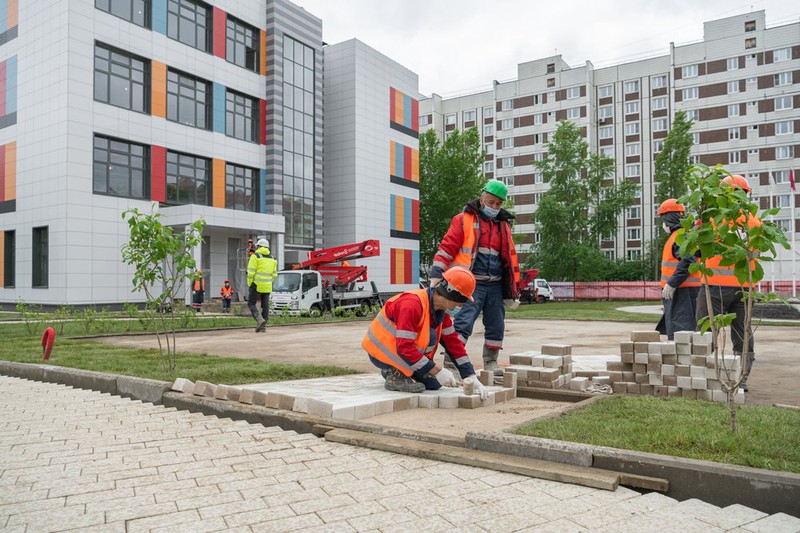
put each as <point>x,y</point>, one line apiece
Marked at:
<point>497,188</point>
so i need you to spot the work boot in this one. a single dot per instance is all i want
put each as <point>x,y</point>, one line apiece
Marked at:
<point>751,357</point>
<point>262,324</point>
<point>397,381</point>
<point>490,361</point>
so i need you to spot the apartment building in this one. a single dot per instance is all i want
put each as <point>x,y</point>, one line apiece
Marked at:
<point>740,84</point>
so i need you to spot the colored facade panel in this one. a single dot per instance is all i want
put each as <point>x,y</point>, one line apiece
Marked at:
<point>159,89</point>
<point>8,92</point>
<point>403,113</point>
<point>404,266</point>
<point>219,107</point>
<point>263,51</point>
<point>404,217</point>
<point>404,165</point>
<point>9,10</point>
<point>159,16</point>
<point>218,183</point>
<point>158,173</point>
<point>220,22</point>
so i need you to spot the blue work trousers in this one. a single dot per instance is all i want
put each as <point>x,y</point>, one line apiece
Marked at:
<point>488,299</point>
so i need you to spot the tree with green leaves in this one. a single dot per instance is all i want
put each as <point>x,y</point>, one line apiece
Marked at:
<point>673,162</point>
<point>163,261</point>
<point>582,204</point>
<point>450,175</point>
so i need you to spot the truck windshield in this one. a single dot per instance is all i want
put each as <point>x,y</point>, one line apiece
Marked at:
<point>287,282</point>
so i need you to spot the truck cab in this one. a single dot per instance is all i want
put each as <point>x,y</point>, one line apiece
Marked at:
<point>542,291</point>
<point>298,292</point>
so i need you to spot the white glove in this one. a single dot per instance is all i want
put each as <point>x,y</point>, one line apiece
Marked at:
<point>511,304</point>
<point>667,292</point>
<point>480,390</point>
<point>446,378</point>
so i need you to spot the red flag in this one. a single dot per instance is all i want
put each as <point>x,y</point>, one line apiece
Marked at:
<point>791,179</point>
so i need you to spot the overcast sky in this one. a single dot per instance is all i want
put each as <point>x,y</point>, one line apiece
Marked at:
<point>460,46</point>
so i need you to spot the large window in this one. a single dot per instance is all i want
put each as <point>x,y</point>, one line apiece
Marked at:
<point>605,91</point>
<point>187,179</point>
<point>9,258</point>
<point>188,100</point>
<point>120,168</point>
<point>189,22</point>
<point>241,188</point>
<point>39,258</point>
<point>241,44</point>
<point>121,79</point>
<point>136,11</point>
<point>241,116</point>
<point>298,139</point>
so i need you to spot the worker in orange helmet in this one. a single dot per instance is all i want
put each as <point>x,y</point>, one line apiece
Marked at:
<point>679,287</point>
<point>402,339</point>
<point>727,293</point>
<point>226,292</point>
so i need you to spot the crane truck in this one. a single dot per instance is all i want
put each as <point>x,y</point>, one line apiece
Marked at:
<point>326,281</point>
<point>532,288</point>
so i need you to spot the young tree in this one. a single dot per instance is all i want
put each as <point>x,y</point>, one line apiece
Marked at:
<point>582,204</point>
<point>673,163</point>
<point>163,262</point>
<point>450,175</point>
<point>723,227</point>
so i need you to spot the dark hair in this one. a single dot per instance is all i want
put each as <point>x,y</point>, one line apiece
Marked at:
<point>444,289</point>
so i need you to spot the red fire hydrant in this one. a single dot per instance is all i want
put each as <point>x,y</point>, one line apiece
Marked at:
<point>48,338</point>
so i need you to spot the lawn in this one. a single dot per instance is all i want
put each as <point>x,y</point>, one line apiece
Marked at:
<point>766,437</point>
<point>585,310</point>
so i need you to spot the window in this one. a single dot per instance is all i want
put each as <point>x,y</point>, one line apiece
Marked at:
<point>750,43</point>
<point>488,130</point>
<point>606,132</point>
<point>469,116</point>
<point>750,25</point>
<point>39,258</point>
<point>488,166</point>
<point>609,254</point>
<point>507,162</point>
<point>634,255</point>
<point>751,153</point>
<point>733,134</point>
<point>784,152</point>
<point>660,124</point>
<point>573,113</point>
<point>506,105</point>
<point>631,86</point>
<point>632,149</point>
<point>121,79</point>
<point>537,99</point>
<point>784,78</point>
<point>551,67</point>
<point>634,234</point>
<point>488,112</point>
<point>605,91</point>
<point>188,179</point>
<point>605,111</point>
<point>241,188</point>
<point>690,93</point>
<point>188,100</point>
<point>782,54</point>
<point>784,128</point>
<point>734,157</point>
<point>632,128</point>
<point>781,176</point>
<point>242,44</point>
<point>538,156</point>
<point>537,118</point>
<point>659,103</point>
<point>189,22</point>
<point>693,114</point>
<point>538,178</point>
<point>733,63</point>
<point>241,116</point>
<point>9,258</point>
<point>573,92</point>
<point>136,11</point>
<point>783,102</point>
<point>489,147</point>
<point>658,146</point>
<point>783,200</point>
<point>659,81</point>
<point>424,120</point>
<point>120,168</point>
<point>551,82</point>
<point>632,171</point>
<point>634,213</point>
<point>695,137</point>
<point>694,159</point>
<point>450,119</point>
<point>537,197</point>
<point>689,71</point>
<point>507,143</point>
<point>631,107</point>
<point>733,110</point>
<point>507,124</point>
<point>733,86</point>
<point>785,224</point>
<point>607,151</point>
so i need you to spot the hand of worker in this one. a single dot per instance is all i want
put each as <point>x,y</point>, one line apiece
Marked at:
<point>667,292</point>
<point>477,386</point>
<point>446,378</point>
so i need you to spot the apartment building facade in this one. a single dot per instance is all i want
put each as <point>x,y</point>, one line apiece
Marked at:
<point>740,85</point>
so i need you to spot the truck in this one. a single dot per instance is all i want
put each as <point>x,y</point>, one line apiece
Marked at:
<point>532,288</point>
<point>326,282</point>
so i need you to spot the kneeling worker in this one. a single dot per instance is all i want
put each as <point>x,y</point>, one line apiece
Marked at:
<point>402,339</point>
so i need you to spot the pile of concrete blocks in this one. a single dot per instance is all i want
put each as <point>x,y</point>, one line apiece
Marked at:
<point>550,368</point>
<point>684,367</point>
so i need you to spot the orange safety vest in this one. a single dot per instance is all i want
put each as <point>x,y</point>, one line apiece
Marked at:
<point>469,248</point>
<point>226,292</point>
<point>723,275</point>
<point>669,264</point>
<point>380,341</point>
<point>200,285</point>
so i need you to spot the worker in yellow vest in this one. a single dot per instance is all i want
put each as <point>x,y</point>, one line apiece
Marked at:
<point>262,269</point>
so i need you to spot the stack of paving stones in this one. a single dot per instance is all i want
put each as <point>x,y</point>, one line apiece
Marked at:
<point>349,397</point>
<point>684,367</point>
<point>550,368</point>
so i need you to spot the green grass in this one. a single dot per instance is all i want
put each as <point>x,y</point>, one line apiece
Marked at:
<point>591,310</point>
<point>766,437</point>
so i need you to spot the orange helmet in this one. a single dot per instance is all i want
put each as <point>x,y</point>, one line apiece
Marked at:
<point>458,284</point>
<point>738,181</point>
<point>670,205</point>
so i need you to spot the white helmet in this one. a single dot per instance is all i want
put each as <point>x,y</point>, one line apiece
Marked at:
<point>262,242</point>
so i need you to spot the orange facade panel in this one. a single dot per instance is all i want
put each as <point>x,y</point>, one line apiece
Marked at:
<point>218,180</point>
<point>263,50</point>
<point>159,76</point>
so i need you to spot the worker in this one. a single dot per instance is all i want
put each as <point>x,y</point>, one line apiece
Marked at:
<point>728,295</point>
<point>226,292</point>
<point>479,238</point>
<point>679,288</point>
<point>251,248</point>
<point>262,269</point>
<point>402,339</point>
<point>198,291</point>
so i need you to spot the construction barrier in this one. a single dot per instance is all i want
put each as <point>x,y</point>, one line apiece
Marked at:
<point>636,290</point>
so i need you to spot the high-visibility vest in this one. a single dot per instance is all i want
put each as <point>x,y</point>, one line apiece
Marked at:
<point>199,285</point>
<point>723,275</point>
<point>669,264</point>
<point>469,247</point>
<point>262,270</point>
<point>226,292</point>
<point>380,341</point>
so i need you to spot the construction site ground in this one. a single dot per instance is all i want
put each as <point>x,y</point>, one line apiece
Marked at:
<point>774,379</point>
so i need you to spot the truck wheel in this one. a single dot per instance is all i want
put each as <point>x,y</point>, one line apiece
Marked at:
<point>315,311</point>
<point>364,308</point>
<point>541,299</point>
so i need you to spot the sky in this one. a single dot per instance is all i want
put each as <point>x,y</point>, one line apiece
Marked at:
<point>460,46</point>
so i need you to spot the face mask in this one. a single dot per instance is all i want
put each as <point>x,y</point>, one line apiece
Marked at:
<point>490,212</point>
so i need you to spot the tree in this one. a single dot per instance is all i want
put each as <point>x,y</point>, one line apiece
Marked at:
<point>163,261</point>
<point>721,228</point>
<point>673,163</point>
<point>450,175</point>
<point>582,204</point>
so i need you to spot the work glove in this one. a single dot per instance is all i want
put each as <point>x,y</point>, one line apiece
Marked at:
<point>478,388</point>
<point>446,378</point>
<point>511,303</point>
<point>667,292</point>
